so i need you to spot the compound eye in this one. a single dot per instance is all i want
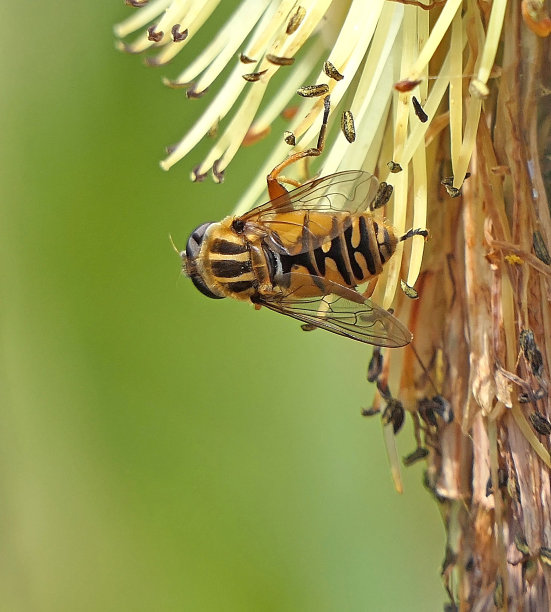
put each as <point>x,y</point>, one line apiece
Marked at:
<point>194,242</point>
<point>193,247</point>
<point>203,288</point>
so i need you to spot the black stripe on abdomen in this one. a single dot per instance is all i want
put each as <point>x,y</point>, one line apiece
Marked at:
<point>365,247</point>
<point>335,253</point>
<point>230,268</point>
<point>354,265</point>
<point>239,286</point>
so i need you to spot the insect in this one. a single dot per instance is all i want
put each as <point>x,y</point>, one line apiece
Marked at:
<point>303,253</point>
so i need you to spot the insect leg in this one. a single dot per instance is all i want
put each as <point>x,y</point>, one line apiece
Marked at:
<point>415,232</point>
<point>275,187</point>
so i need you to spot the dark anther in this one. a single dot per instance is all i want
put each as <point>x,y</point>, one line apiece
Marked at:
<point>218,174</point>
<point>178,36</point>
<point>153,35</point>
<point>192,93</point>
<point>244,59</point>
<point>136,3</point>
<point>196,176</point>
<point>423,117</point>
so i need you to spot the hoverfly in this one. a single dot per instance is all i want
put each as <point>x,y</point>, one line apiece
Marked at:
<point>303,253</point>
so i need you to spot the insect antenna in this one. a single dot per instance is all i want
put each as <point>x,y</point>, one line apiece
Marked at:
<point>182,255</point>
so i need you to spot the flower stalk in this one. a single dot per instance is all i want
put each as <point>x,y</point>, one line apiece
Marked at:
<point>476,172</point>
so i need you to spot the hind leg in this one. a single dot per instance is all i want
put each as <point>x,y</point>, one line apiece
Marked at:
<point>275,181</point>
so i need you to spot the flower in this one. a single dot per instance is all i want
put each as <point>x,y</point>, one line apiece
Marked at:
<point>444,100</point>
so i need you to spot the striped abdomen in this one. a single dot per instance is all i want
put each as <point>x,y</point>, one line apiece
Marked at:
<point>357,252</point>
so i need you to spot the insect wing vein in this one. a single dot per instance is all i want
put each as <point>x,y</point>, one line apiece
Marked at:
<point>346,313</point>
<point>283,221</point>
<point>351,191</point>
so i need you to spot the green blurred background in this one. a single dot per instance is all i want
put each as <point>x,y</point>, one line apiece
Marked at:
<point>144,464</point>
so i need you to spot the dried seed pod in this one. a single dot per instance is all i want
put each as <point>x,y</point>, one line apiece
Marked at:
<point>295,20</point>
<point>423,117</point>
<point>313,91</point>
<point>331,71</point>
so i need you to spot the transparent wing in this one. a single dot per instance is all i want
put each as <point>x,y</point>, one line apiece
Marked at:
<point>350,191</point>
<point>313,213</point>
<point>346,313</point>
